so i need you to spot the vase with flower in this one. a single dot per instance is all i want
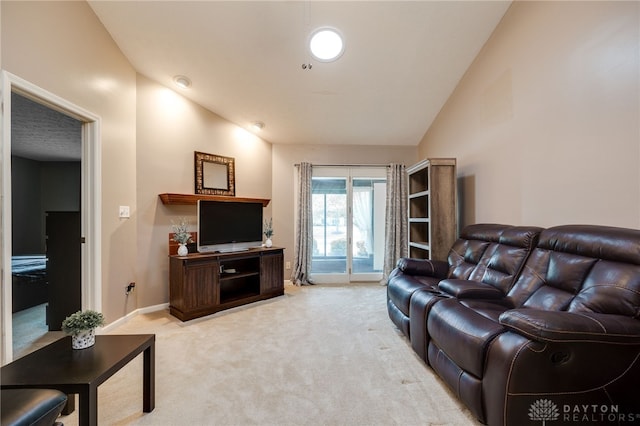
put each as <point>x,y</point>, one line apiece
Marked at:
<point>268,232</point>
<point>181,235</point>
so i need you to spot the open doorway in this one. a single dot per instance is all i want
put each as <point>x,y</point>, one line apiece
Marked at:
<point>46,164</point>
<point>86,204</point>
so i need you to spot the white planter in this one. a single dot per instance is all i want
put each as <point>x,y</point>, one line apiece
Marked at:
<point>84,339</point>
<point>268,242</point>
<point>182,250</point>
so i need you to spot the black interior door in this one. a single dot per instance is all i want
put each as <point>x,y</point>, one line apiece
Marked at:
<point>63,266</point>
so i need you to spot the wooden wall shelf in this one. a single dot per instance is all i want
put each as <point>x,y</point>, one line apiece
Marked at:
<point>192,199</point>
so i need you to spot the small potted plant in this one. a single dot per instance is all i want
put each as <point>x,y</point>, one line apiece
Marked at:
<point>82,328</point>
<point>268,232</point>
<point>181,235</point>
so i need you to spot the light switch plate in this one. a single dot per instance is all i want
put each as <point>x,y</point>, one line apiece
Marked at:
<point>124,212</point>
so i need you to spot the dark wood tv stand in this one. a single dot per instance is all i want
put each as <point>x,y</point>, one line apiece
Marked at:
<point>204,283</point>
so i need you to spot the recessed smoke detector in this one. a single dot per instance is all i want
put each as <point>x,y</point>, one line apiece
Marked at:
<point>182,82</point>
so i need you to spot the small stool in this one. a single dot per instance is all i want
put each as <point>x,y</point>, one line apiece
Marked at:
<point>33,407</point>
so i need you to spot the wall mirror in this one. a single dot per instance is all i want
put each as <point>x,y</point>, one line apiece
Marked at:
<point>215,174</point>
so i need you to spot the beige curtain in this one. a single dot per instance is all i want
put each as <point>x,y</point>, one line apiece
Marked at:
<point>304,228</point>
<point>396,241</point>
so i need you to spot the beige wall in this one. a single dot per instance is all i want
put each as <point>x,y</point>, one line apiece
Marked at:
<point>63,48</point>
<point>149,135</point>
<point>545,123</point>
<point>285,174</point>
<point>170,129</point>
<point>544,126</point>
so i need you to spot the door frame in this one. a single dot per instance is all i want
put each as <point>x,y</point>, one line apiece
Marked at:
<point>91,287</point>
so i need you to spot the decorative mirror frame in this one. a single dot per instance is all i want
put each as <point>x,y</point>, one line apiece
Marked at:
<point>203,180</point>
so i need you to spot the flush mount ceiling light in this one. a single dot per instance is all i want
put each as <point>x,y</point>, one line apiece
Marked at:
<point>182,82</point>
<point>326,44</point>
<point>257,126</point>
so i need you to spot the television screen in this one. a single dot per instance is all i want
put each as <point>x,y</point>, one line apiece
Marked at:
<point>228,225</point>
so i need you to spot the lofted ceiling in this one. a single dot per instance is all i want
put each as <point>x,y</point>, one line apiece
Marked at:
<point>402,61</point>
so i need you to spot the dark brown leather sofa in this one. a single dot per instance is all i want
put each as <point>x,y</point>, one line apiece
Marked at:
<point>560,342</point>
<point>489,254</point>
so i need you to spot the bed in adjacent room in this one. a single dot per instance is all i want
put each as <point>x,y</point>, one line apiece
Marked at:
<point>29,281</point>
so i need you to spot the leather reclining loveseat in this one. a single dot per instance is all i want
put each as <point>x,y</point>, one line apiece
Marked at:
<point>528,325</point>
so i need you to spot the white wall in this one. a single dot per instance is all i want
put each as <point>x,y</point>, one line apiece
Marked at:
<point>545,123</point>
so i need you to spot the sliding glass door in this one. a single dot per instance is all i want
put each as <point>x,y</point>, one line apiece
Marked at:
<point>348,223</point>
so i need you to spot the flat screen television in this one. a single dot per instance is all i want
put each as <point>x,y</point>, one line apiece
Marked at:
<point>226,226</point>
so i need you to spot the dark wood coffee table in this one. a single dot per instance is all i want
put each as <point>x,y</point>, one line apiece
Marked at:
<point>58,366</point>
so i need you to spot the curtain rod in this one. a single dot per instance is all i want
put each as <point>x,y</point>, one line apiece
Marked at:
<point>345,165</point>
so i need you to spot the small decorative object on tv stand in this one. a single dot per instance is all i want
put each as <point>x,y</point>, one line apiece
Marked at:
<point>181,235</point>
<point>268,232</point>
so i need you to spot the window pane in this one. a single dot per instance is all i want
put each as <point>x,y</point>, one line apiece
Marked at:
<point>329,198</point>
<point>368,225</point>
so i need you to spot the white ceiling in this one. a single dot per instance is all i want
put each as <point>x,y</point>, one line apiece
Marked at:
<point>402,60</point>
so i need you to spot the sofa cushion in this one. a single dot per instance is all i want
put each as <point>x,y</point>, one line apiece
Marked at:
<point>491,253</point>
<point>464,256</point>
<point>610,287</point>
<point>582,268</point>
<point>491,309</point>
<point>463,334</point>
<point>598,242</point>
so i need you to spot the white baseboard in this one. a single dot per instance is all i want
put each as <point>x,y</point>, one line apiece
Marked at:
<point>126,318</point>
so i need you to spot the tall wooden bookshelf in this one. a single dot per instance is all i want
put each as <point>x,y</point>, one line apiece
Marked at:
<point>432,208</point>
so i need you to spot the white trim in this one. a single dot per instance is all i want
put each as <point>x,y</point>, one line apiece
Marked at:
<point>91,201</point>
<point>125,319</point>
<point>154,308</point>
<point>91,226</point>
<point>5,162</point>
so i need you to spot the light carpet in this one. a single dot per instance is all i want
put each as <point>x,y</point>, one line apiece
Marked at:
<point>319,355</point>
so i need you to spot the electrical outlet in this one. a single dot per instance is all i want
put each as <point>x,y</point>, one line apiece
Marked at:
<point>287,265</point>
<point>129,288</point>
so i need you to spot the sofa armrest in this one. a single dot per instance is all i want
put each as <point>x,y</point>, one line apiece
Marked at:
<point>425,267</point>
<point>466,289</point>
<point>560,326</point>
